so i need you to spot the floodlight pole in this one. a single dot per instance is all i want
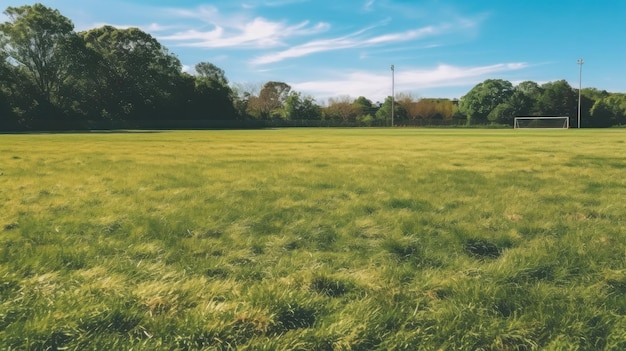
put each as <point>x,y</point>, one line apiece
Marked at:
<point>393,83</point>
<point>580,85</point>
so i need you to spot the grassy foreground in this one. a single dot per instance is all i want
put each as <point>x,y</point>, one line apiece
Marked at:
<point>314,239</point>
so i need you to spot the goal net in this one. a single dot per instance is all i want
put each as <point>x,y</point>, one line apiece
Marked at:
<point>541,122</point>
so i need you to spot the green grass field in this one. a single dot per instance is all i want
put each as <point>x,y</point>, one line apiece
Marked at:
<point>314,239</point>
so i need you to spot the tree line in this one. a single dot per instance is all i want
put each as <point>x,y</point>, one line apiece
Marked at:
<point>52,77</point>
<point>498,101</point>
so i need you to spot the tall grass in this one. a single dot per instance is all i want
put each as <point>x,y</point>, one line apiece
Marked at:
<point>313,239</point>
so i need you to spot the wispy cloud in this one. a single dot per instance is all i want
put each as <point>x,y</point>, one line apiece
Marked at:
<point>204,13</point>
<point>378,85</point>
<point>274,3</point>
<point>238,31</point>
<point>258,33</point>
<point>368,5</point>
<point>446,75</point>
<point>351,41</point>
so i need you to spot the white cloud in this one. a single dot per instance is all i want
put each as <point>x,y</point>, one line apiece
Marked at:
<point>205,13</point>
<point>368,5</point>
<point>447,75</point>
<point>237,30</point>
<point>277,3</point>
<point>155,27</point>
<point>350,41</point>
<point>274,3</point>
<point>377,86</point>
<point>403,36</point>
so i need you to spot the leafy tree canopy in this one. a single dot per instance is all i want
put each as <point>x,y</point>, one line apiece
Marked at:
<point>36,38</point>
<point>212,73</point>
<point>483,98</point>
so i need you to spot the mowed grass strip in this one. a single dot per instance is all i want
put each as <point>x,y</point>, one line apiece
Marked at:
<point>314,239</point>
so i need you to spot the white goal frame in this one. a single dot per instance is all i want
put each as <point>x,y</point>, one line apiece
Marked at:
<point>564,125</point>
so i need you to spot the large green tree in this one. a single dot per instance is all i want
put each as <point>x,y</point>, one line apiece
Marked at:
<point>384,112</point>
<point>39,41</point>
<point>595,94</point>
<point>608,111</point>
<point>211,73</point>
<point>7,117</point>
<point>529,88</point>
<point>136,77</point>
<point>364,105</point>
<point>298,107</point>
<point>504,113</point>
<point>213,98</point>
<point>479,102</point>
<point>366,110</point>
<point>558,99</point>
<point>524,99</point>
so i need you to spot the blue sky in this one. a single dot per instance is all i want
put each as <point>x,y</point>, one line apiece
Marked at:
<point>332,48</point>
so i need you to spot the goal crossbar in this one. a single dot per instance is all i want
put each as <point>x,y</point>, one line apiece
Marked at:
<point>539,122</point>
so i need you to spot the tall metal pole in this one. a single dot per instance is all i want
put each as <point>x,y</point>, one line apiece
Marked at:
<point>580,85</point>
<point>393,83</point>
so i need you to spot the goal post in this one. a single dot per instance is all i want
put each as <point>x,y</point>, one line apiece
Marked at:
<point>541,122</point>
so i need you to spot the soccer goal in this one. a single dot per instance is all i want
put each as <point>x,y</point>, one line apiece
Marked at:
<point>541,122</point>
